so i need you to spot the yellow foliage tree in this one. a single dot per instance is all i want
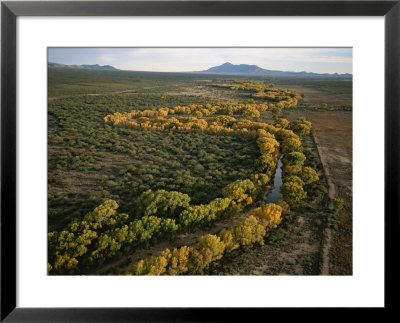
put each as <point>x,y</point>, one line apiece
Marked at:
<point>309,175</point>
<point>214,243</point>
<point>249,231</point>
<point>269,215</point>
<point>178,260</point>
<point>152,266</point>
<point>228,239</point>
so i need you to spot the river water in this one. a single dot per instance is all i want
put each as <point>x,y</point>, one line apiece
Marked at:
<point>275,194</point>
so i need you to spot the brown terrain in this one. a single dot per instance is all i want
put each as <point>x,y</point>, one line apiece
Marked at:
<point>334,132</point>
<point>316,97</point>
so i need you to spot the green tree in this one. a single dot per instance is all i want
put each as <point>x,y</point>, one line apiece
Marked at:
<point>308,175</point>
<point>301,127</point>
<point>104,214</point>
<point>276,111</point>
<point>162,203</point>
<point>291,144</point>
<point>241,191</point>
<point>260,181</point>
<point>282,123</point>
<point>295,158</point>
<point>178,260</point>
<point>266,163</point>
<point>293,193</point>
<point>294,179</point>
<point>249,231</point>
<point>228,239</point>
<point>153,266</point>
<point>213,243</point>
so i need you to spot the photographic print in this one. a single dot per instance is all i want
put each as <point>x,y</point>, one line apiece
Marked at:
<point>200,161</point>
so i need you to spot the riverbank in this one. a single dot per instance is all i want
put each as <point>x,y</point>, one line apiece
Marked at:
<point>294,248</point>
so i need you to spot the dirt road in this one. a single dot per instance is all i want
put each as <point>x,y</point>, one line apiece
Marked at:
<point>332,131</point>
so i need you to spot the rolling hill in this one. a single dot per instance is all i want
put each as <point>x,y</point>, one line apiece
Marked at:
<point>254,70</point>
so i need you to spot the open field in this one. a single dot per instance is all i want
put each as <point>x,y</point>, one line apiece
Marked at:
<point>334,131</point>
<point>317,97</point>
<point>91,160</point>
<point>333,93</point>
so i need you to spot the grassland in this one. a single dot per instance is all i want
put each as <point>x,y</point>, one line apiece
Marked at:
<point>90,161</point>
<point>334,131</point>
<point>335,93</point>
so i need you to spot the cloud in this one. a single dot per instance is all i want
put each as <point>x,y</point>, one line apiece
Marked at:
<point>107,58</point>
<point>140,51</point>
<point>320,60</point>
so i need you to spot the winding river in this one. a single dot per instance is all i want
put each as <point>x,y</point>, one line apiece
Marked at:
<point>275,194</point>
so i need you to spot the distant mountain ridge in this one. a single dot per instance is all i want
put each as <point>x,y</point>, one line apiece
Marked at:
<point>92,67</point>
<point>254,70</point>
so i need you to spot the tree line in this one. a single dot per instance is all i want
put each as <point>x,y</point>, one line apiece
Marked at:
<point>194,260</point>
<point>105,233</point>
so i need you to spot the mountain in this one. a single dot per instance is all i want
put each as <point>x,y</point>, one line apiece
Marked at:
<point>92,67</point>
<point>236,69</point>
<point>254,70</point>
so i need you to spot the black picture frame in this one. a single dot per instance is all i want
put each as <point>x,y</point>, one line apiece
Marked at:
<point>10,10</point>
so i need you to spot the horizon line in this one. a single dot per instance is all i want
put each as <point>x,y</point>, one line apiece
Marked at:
<point>304,71</point>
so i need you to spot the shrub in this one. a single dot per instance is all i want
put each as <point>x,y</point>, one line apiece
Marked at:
<point>338,204</point>
<point>284,205</point>
<point>316,190</point>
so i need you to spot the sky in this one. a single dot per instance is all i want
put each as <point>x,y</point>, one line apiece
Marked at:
<point>317,60</point>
